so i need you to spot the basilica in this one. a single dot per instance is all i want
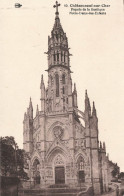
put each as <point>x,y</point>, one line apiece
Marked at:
<point>61,149</point>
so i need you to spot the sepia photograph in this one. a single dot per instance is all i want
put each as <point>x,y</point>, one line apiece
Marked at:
<point>62,98</point>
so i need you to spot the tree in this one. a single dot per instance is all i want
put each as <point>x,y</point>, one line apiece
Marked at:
<point>21,163</point>
<point>8,154</point>
<point>121,175</point>
<point>7,159</point>
<point>12,158</point>
<point>115,171</point>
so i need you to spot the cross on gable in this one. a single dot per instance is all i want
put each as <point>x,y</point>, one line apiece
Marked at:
<point>56,6</point>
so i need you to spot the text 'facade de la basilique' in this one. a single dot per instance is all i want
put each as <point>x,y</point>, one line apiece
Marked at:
<point>60,149</point>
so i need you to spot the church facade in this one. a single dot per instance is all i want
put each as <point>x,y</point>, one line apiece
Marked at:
<point>60,149</point>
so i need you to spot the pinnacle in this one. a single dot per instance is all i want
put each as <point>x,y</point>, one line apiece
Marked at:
<point>75,87</point>
<point>42,81</point>
<point>86,95</point>
<point>42,77</point>
<point>104,146</point>
<point>30,103</point>
<point>30,100</point>
<point>87,103</point>
<point>94,109</point>
<point>57,23</point>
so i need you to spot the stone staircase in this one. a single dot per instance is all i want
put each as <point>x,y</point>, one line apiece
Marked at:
<point>55,190</point>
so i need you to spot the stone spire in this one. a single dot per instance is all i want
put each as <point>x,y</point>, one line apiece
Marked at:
<point>57,24</point>
<point>75,90</point>
<point>42,82</point>
<point>87,104</point>
<point>30,103</point>
<point>94,110</point>
<point>104,147</point>
<point>94,120</point>
<point>42,87</point>
<point>75,96</point>
<point>30,110</point>
<point>58,96</point>
<point>87,111</point>
<point>58,51</point>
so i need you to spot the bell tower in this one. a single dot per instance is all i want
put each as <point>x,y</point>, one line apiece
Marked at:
<point>59,92</point>
<point>58,51</point>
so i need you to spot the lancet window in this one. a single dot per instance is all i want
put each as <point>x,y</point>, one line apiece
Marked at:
<point>63,79</point>
<point>57,56</point>
<point>57,85</point>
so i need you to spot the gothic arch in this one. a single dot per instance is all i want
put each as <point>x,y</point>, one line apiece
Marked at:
<point>80,158</point>
<point>80,162</point>
<point>58,150</point>
<point>36,170</point>
<point>80,165</point>
<point>36,161</point>
<point>35,155</point>
<point>80,153</point>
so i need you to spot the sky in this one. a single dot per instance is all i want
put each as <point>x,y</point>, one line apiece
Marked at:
<point>97,46</point>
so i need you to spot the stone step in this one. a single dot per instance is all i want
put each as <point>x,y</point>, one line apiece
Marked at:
<point>53,192</point>
<point>59,194</point>
<point>50,194</point>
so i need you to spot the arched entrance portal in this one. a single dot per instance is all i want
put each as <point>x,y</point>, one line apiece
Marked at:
<point>59,170</point>
<point>36,171</point>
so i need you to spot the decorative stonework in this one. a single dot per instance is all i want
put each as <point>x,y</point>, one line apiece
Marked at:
<point>58,160</point>
<point>80,143</point>
<point>58,132</point>
<point>65,143</point>
<point>49,172</point>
